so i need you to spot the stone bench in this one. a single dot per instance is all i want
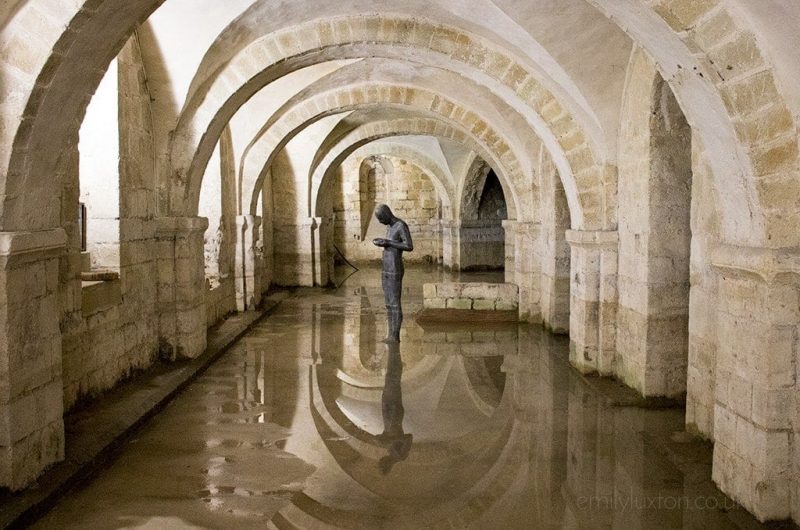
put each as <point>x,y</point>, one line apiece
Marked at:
<point>496,302</point>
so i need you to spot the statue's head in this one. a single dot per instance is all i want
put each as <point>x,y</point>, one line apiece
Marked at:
<point>384,214</point>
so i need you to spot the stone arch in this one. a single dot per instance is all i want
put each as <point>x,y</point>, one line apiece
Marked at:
<point>752,149</point>
<point>220,236</point>
<point>213,100</point>
<point>655,195</point>
<point>368,171</point>
<point>470,187</point>
<point>73,47</point>
<point>346,143</point>
<point>404,98</point>
<point>481,242</point>
<point>358,84</point>
<point>114,21</point>
<point>372,176</point>
<point>440,179</point>
<point>554,250</point>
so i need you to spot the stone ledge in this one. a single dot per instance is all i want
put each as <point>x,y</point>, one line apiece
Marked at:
<point>171,226</point>
<point>592,238</point>
<point>23,247</point>
<point>13,243</point>
<point>100,295</point>
<point>504,296</point>
<point>470,302</point>
<point>94,434</point>
<point>763,264</point>
<point>99,276</point>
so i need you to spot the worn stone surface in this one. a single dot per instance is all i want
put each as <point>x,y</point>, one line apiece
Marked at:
<point>224,147</point>
<point>471,296</point>
<point>234,451</point>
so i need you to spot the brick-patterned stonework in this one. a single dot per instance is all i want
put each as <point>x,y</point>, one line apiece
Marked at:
<point>471,296</point>
<point>406,189</point>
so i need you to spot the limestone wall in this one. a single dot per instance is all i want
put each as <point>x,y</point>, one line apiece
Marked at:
<point>363,183</point>
<point>99,171</point>
<point>481,237</point>
<point>703,336</point>
<point>655,190</point>
<point>297,237</point>
<point>111,329</point>
<point>471,296</point>
<point>482,245</point>
<point>554,251</point>
<point>218,205</point>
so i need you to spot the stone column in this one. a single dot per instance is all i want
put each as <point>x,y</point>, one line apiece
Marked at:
<point>321,259</point>
<point>31,387</point>
<point>510,228</point>
<point>248,273</point>
<point>756,394</point>
<point>593,300</point>
<point>528,272</point>
<point>301,252</point>
<point>451,244</point>
<point>181,286</point>
<point>523,268</point>
<point>552,254</point>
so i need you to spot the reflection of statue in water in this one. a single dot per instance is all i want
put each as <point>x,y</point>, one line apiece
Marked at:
<point>396,442</point>
<point>398,240</point>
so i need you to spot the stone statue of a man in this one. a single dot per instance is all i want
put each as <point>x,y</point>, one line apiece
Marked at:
<point>397,241</point>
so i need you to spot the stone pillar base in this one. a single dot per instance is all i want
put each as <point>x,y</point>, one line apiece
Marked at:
<point>523,267</point>
<point>181,286</point>
<point>756,394</point>
<point>248,273</point>
<point>31,387</point>
<point>301,252</point>
<point>593,300</point>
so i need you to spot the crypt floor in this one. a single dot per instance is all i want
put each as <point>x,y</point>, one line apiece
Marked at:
<point>310,421</point>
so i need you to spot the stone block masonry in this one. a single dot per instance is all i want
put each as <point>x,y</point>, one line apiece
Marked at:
<point>471,296</point>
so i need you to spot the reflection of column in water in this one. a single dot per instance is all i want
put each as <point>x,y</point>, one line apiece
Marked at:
<point>314,334</point>
<point>549,383</point>
<point>393,438</point>
<point>249,384</point>
<point>351,327</point>
<point>367,334</point>
<point>585,485</point>
<point>262,355</point>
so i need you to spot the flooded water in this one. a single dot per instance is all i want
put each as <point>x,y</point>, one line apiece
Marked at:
<point>310,421</point>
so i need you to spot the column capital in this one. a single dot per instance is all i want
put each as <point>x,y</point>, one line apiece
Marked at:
<point>172,226</point>
<point>592,238</point>
<point>765,264</point>
<point>248,221</point>
<point>31,245</point>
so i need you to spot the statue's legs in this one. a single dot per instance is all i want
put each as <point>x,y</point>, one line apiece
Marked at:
<point>392,291</point>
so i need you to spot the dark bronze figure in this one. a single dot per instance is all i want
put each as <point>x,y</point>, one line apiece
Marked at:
<point>396,441</point>
<point>397,241</point>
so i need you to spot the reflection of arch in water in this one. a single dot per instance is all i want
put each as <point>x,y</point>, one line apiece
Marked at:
<point>346,415</point>
<point>480,470</point>
<point>486,384</point>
